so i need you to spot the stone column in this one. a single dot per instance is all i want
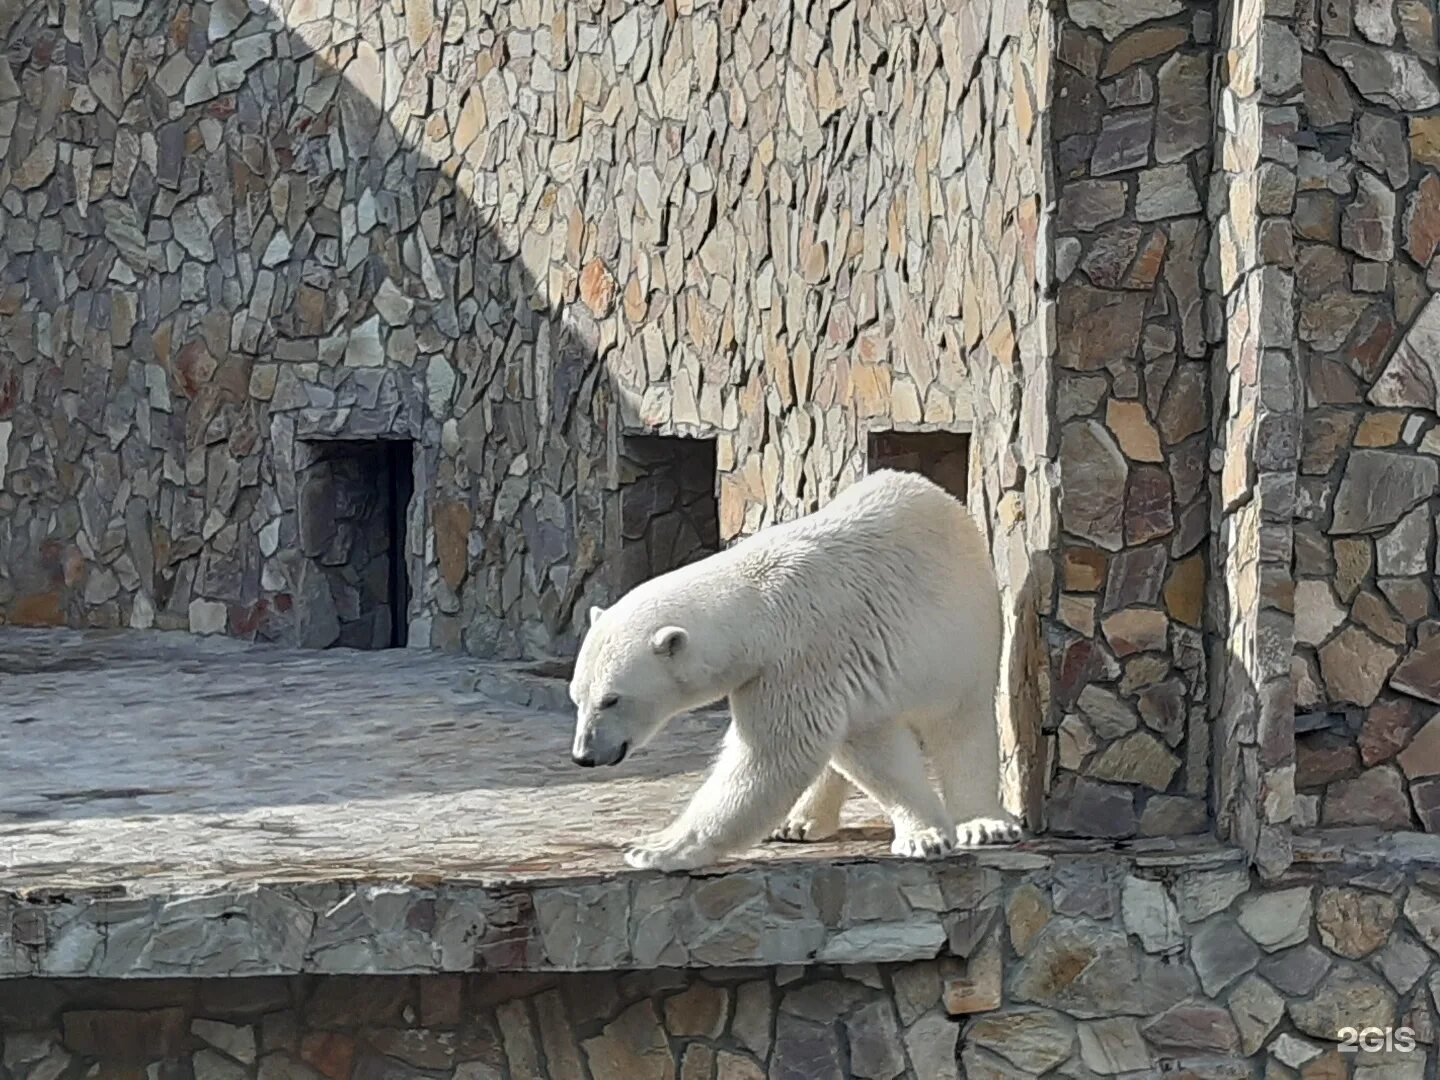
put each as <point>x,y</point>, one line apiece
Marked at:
<point>1256,434</point>
<point>1131,134</point>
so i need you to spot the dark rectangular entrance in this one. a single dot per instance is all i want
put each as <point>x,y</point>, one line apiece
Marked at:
<point>941,456</point>
<point>354,500</point>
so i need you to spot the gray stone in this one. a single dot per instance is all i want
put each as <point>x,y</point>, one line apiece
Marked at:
<point>1256,1009</point>
<point>1092,497</point>
<point>1396,79</point>
<point>1367,225</point>
<point>1296,971</point>
<point>1113,17</point>
<point>1166,191</point>
<point>237,1041</point>
<point>1182,123</point>
<point>1089,972</point>
<point>1193,1026</point>
<point>874,1040</point>
<point>1124,143</point>
<point>1087,204</point>
<point>1422,908</point>
<point>1403,961</point>
<point>1114,1046</point>
<point>930,1042</point>
<point>1150,915</point>
<point>1379,487</point>
<point>1107,714</point>
<point>1033,1040</point>
<point>1277,920</point>
<point>1419,672</point>
<point>1401,551</point>
<point>1221,953</point>
<point>1202,893</point>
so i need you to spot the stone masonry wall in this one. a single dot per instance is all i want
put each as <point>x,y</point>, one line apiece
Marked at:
<point>508,232</point>
<point>1366,222</point>
<point>1255,435</point>
<point>1130,131</point>
<point>1084,965</point>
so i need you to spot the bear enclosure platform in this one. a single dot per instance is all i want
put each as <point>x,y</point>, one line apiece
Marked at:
<point>172,805</point>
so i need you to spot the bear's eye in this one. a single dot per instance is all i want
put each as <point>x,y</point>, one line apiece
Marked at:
<point>609,701</point>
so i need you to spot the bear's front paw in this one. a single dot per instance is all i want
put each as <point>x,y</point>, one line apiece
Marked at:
<point>981,831</point>
<point>923,844</point>
<point>665,856</point>
<point>798,830</point>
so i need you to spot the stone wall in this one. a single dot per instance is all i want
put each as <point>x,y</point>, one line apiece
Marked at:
<point>1366,221</point>
<point>798,1024</point>
<point>999,71</point>
<point>1130,135</point>
<point>509,232</point>
<point>1083,965</point>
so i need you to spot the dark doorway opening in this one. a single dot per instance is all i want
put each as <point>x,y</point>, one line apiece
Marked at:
<point>941,456</point>
<point>354,501</point>
<point>669,512</point>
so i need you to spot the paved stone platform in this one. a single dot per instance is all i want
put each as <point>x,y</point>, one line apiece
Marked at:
<point>154,760</point>
<point>172,805</point>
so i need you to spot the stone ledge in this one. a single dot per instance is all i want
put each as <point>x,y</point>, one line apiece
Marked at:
<point>848,910</point>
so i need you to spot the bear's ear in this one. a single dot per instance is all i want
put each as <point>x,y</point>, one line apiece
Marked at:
<point>669,640</point>
<point>595,613</point>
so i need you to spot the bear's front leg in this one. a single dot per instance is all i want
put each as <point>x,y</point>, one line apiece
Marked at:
<point>746,793</point>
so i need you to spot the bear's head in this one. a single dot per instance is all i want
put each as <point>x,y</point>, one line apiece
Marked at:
<point>635,671</point>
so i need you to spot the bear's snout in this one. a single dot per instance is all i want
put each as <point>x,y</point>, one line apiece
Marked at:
<point>588,757</point>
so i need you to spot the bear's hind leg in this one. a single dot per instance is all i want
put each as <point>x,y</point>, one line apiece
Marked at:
<point>965,753</point>
<point>886,763</point>
<point>817,814</point>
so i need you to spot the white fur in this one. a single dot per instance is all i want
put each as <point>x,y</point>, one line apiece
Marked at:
<point>853,644</point>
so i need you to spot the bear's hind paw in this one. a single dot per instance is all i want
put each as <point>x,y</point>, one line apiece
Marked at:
<point>922,844</point>
<point>803,830</point>
<point>982,831</point>
<point>665,857</point>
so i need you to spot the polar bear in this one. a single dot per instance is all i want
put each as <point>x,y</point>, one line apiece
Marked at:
<point>853,644</point>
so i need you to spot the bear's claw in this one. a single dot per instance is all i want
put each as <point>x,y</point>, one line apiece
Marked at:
<point>983,831</point>
<point>803,830</point>
<point>922,844</point>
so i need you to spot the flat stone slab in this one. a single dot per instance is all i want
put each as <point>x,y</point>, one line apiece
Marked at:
<point>172,805</point>
<point>151,761</point>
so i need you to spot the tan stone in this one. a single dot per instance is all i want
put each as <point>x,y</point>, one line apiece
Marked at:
<point>1027,914</point>
<point>1353,559</point>
<point>1422,756</point>
<point>1425,139</point>
<point>1185,591</point>
<point>452,541</point>
<point>1143,44</point>
<point>699,1011</point>
<point>1084,569</point>
<point>597,288</point>
<point>1139,758</point>
<point>1132,429</point>
<point>1136,630</point>
<point>1354,923</point>
<point>730,1066</point>
<point>1355,665</point>
<point>1380,429</point>
<point>631,1047</point>
<point>1077,611</point>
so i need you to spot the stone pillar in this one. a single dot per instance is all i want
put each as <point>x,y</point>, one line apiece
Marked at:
<point>1256,434</point>
<point>1130,135</point>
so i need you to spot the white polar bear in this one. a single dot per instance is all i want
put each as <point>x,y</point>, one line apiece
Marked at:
<point>853,644</point>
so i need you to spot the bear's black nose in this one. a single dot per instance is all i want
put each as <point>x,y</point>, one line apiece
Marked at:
<point>585,760</point>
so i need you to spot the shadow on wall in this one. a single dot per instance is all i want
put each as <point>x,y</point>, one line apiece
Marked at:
<point>233,235</point>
